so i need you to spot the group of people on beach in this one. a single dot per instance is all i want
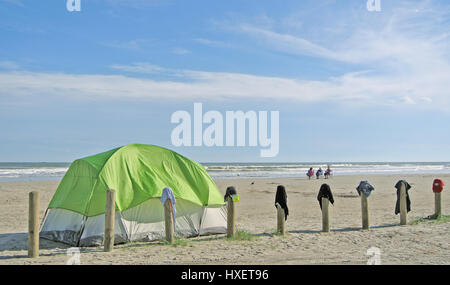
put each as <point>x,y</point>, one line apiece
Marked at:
<point>319,172</point>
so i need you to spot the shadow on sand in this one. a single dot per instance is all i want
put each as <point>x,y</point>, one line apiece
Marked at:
<point>19,242</point>
<point>348,229</point>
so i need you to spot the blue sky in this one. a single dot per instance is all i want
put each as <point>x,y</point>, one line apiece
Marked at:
<point>350,85</point>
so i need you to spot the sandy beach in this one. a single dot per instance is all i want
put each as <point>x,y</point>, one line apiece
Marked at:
<point>416,243</point>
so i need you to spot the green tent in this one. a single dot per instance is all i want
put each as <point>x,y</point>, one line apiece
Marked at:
<point>138,173</point>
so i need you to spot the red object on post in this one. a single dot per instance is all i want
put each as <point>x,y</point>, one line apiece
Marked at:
<point>438,185</point>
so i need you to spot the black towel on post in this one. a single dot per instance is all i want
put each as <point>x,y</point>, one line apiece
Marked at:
<point>230,191</point>
<point>325,192</point>
<point>281,198</point>
<point>408,201</point>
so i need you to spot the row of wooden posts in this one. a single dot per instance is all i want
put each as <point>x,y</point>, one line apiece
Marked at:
<point>33,219</point>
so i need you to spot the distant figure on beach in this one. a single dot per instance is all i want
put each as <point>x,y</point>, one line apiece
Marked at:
<point>310,173</point>
<point>319,172</point>
<point>328,172</point>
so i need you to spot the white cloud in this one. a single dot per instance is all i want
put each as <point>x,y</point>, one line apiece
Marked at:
<point>139,67</point>
<point>408,100</point>
<point>353,88</point>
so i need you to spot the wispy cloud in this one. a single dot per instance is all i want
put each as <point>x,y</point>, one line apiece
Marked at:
<point>139,67</point>
<point>290,44</point>
<point>402,58</point>
<point>9,65</point>
<point>353,88</point>
<point>215,43</point>
<point>180,51</point>
<point>137,44</point>
<point>13,2</point>
<point>138,3</point>
<point>410,35</point>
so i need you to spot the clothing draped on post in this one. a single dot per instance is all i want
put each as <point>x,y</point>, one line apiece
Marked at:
<point>229,192</point>
<point>168,194</point>
<point>281,198</point>
<point>365,187</point>
<point>408,201</point>
<point>325,192</point>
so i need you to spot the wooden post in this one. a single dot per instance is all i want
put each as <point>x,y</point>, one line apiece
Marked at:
<point>365,211</point>
<point>437,205</point>
<point>168,217</point>
<point>33,225</point>
<point>231,219</point>
<point>281,228</point>
<point>403,208</point>
<point>325,215</point>
<point>110,213</point>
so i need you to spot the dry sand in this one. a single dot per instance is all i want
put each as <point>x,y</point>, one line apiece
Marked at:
<point>422,243</point>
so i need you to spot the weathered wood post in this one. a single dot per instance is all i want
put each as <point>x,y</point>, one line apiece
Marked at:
<point>33,224</point>
<point>325,215</point>
<point>231,219</point>
<point>281,225</point>
<point>110,213</point>
<point>168,217</point>
<point>403,208</point>
<point>438,186</point>
<point>437,205</point>
<point>365,211</point>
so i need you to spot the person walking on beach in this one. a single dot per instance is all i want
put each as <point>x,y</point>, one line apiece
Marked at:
<point>328,172</point>
<point>310,173</point>
<point>319,172</point>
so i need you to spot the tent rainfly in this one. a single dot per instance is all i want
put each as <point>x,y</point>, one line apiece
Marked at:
<point>138,173</point>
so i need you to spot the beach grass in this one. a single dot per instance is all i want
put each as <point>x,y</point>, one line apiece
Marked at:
<point>431,219</point>
<point>177,242</point>
<point>242,235</point>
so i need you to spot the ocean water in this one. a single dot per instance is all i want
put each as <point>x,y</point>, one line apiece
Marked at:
<point>32,171</point>
<point>246,170</point>
<point>55,171</point>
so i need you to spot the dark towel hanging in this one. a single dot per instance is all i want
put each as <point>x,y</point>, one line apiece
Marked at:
<point>281,198</point>
<point>230,191</point>
<point>325,192</point>
<point>402,181</point>
<point>408,201</point>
